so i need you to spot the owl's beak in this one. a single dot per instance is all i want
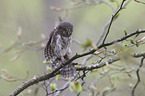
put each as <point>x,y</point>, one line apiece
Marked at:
<point>69,32</point>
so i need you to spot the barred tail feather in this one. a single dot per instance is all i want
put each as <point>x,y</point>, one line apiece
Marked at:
<point>68,70</point>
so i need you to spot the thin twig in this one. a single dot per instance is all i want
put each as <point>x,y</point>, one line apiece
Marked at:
<point>96,66</point>
<point>138,1</point>
<point>138,77</point>
<point>110,61</point>
<point>111,20</point>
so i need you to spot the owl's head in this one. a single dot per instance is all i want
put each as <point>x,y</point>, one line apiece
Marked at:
<point>65,28</point>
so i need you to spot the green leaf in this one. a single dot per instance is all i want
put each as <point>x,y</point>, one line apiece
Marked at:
<point>125,45</point>
<point>113,85</point>
<point>137,45</point>
<point>60,19</point>
<point>75,86</point>
<point>71,86</point>
<point>46,62</point>
<point>125,31</point>
<point>78,87</point>
<point>131,40</point>
<point>57,77</point>
<point>48,68</point>
<point>113,78</point>
<point>114,50</point>
<point>53,86</point>
<point>106,89</point>
<point>137,35</point>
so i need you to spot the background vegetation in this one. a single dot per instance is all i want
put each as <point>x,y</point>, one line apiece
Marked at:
<point>24,29</point>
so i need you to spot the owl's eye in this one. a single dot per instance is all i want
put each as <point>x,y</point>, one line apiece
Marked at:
<point>70,30</point>
<point>65,29</point>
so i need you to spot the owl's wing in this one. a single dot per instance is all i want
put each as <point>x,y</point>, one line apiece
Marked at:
<point>47,50</point>
<point>50,38</point>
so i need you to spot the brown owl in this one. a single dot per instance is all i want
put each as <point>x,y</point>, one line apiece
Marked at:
<point>57,50</point>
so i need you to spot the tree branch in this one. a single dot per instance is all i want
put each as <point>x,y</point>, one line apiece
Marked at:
<point>138,76</point>
<point>110,61</point>
<point>111,20</point>
<point>96,66</point>
<point>53,73</point>
<point>138,1</point>
<point>109,23</point>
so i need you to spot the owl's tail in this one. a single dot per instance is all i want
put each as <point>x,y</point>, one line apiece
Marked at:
<point>68,70</point>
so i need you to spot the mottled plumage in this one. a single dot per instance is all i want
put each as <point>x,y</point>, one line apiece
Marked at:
<point>58,51</point>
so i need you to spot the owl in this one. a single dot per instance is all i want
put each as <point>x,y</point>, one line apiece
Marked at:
<point>57,50</point>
